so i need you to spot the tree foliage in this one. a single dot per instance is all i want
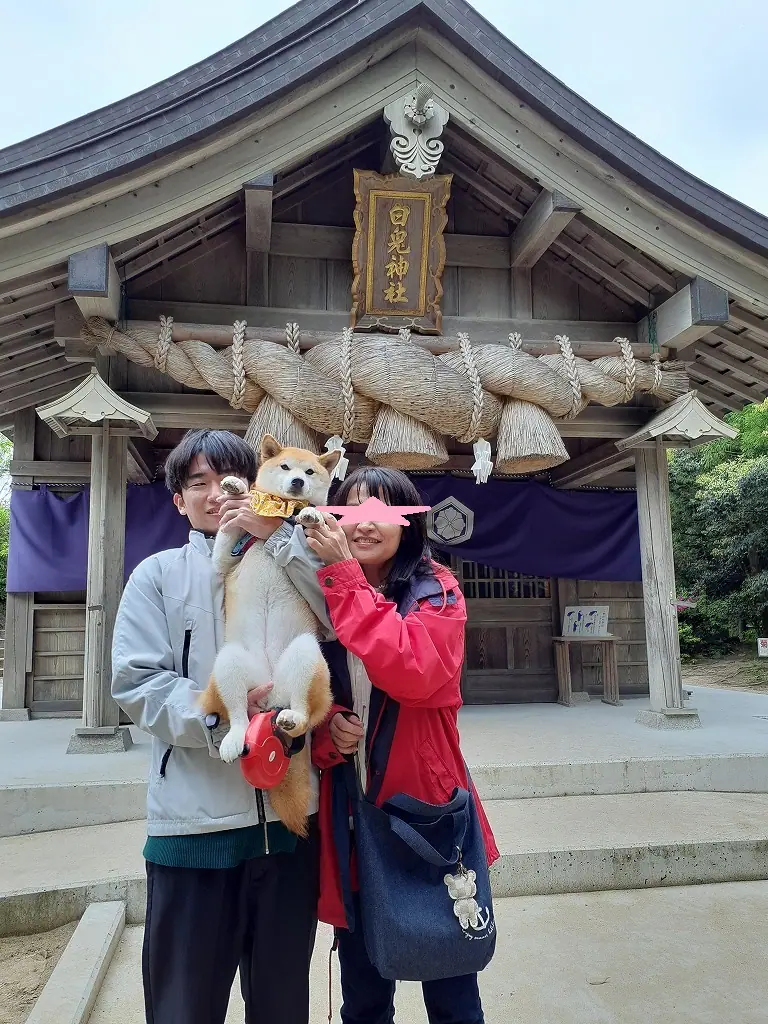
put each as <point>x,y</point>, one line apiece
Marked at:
<point>719,498</point>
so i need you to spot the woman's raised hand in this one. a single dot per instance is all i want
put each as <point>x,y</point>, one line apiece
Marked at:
<point>328,541</point>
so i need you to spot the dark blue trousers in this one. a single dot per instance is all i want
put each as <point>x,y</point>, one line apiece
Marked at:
<point>369,999</point>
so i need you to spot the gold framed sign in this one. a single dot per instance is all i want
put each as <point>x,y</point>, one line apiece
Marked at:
<point>398,253</point>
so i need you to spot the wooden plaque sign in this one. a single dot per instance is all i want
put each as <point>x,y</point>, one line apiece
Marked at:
<point>398,253</point>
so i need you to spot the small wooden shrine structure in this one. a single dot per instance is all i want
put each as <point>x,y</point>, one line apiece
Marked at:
<point>377,225</point>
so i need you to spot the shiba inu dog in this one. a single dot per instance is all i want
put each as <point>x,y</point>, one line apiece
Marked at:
<point>270,632</point>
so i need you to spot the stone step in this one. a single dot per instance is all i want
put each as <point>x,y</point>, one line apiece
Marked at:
<point>547,845</point>
<point>35,807</point>
<point>642,957</point>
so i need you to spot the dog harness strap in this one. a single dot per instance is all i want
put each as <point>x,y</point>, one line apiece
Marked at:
<point>245,542</point>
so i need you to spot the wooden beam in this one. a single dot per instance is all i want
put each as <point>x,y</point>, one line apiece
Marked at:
<point>182,412</point>
<point>51,472</point>
<point>10,396</point>
<point>332,243</point>
<point>590,339</point>
<point>635,292</point>
<point>17,348</point>
<point>322,165</point>
<point>141,461</point>
<point>740,342</point>
<point>754,324</point>
<point>12,369</point>
<point>94,283</point>
<point>29,401</point>
<point>258,213</point>
<point>32,303</point>
<point>591,466</point>
<point>193,236</point>
<point>18,612</point>
<point>663,645</point>
<point>540,226</point>
<point>716,355</point>
<point>718,399</point>
<point>726,383</point>
<point>189,256</point>
<point>483,186</point>
<point>686,316</point>
<point>39,322</point>
<point>106,549</point>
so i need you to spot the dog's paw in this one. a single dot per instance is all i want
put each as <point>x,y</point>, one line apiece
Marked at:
<point>233,485</point>
<point>310,517</point>
<point>232,745</point>
<point>291,723</point>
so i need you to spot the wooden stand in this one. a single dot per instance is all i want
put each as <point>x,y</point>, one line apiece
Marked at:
<point>610,667</point>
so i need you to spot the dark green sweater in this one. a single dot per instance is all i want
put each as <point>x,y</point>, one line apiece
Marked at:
<point>224,849</point>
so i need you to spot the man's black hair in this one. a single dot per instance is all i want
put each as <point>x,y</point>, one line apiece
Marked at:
<point>224,452</point>
<point>414,555</point>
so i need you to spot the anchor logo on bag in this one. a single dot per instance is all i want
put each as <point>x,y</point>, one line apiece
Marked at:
<point>462,890</point>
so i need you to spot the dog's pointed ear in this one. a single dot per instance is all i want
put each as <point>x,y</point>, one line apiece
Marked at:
<point>269,447</point>
<point>329,460</point>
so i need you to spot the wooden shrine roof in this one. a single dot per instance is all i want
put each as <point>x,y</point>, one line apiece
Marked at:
<point>70,164</point>
<point>298,45</point>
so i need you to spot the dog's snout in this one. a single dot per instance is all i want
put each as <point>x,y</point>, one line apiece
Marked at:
<point>297,483</point>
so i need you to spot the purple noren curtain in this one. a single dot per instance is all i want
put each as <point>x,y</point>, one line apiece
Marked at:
<point>521,526</point>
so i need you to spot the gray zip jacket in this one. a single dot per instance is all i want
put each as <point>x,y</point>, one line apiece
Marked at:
<point>169,627</point>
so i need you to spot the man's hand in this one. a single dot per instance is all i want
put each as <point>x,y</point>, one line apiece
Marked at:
<point>257,699</point>
<point>236,514</point>
<point>346,733</point>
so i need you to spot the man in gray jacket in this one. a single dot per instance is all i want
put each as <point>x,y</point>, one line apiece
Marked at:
<point>227,885</point>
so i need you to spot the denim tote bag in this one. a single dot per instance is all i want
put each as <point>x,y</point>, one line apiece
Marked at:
<point>425,893</point>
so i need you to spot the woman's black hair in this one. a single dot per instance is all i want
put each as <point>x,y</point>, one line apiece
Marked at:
<point>224,452</point>
<point>414,555</point>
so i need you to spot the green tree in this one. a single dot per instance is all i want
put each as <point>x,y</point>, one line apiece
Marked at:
<point>719,497</point>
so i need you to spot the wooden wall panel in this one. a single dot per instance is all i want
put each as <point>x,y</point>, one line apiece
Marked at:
<point>218,277</point>
<point>626,621</point>
<point>297,283</point>
<point>58,638</point>
<point>484,293</point>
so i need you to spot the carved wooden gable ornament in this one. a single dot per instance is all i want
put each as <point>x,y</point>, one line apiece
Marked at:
<point>398,252</point>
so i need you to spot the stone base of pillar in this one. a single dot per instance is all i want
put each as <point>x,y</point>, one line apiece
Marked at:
<point>108,740</point>
<point>670,718</point>
<point>14,714</point>
<point>582,697</point>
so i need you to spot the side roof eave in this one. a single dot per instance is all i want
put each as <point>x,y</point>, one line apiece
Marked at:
<point>300,44</point>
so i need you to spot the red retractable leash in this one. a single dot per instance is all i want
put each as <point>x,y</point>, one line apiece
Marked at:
<point>267,752</point>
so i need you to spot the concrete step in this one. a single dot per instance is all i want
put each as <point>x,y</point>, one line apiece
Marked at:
<point>34,807</point>
<point>547,845</point>
<point>642,957</point>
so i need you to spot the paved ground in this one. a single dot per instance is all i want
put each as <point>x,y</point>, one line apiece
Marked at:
<point>34,753</point>
<point>690,955</point>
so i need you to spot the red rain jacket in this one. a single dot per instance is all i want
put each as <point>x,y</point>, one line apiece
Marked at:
<point>416,660</point>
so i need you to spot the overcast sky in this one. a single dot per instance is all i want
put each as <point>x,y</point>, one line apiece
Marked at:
<point>686,76</point>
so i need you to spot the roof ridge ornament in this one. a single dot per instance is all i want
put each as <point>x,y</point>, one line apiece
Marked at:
<point>416,122</point>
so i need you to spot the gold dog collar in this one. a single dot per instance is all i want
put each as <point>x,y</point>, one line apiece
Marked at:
<point>273,506</point>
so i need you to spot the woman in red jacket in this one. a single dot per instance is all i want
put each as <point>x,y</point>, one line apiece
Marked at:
<point>399,617</point>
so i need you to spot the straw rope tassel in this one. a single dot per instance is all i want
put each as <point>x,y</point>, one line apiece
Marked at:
<point>483,465</point>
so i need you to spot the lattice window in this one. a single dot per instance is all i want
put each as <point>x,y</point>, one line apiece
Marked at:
<point>485,582</point>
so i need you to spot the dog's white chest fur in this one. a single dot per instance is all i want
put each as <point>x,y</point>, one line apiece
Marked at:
<point>264,612</point>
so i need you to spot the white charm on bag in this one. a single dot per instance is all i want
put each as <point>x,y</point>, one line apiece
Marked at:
<point>462,890</point>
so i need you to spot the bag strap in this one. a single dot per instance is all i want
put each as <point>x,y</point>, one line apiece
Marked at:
<point>426,850</point>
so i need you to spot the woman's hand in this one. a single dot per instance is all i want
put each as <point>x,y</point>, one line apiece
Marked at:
<point>346,733</point>
<point>328,541</point>
<point>236,514</point>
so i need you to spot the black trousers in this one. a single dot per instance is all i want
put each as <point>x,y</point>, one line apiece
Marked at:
<point>202,925</point>
<point>369,999</point>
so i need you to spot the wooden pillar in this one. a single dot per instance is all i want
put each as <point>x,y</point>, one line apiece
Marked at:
<point>18,612</point>
<point>659,592</point>
<point>100,730</point>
